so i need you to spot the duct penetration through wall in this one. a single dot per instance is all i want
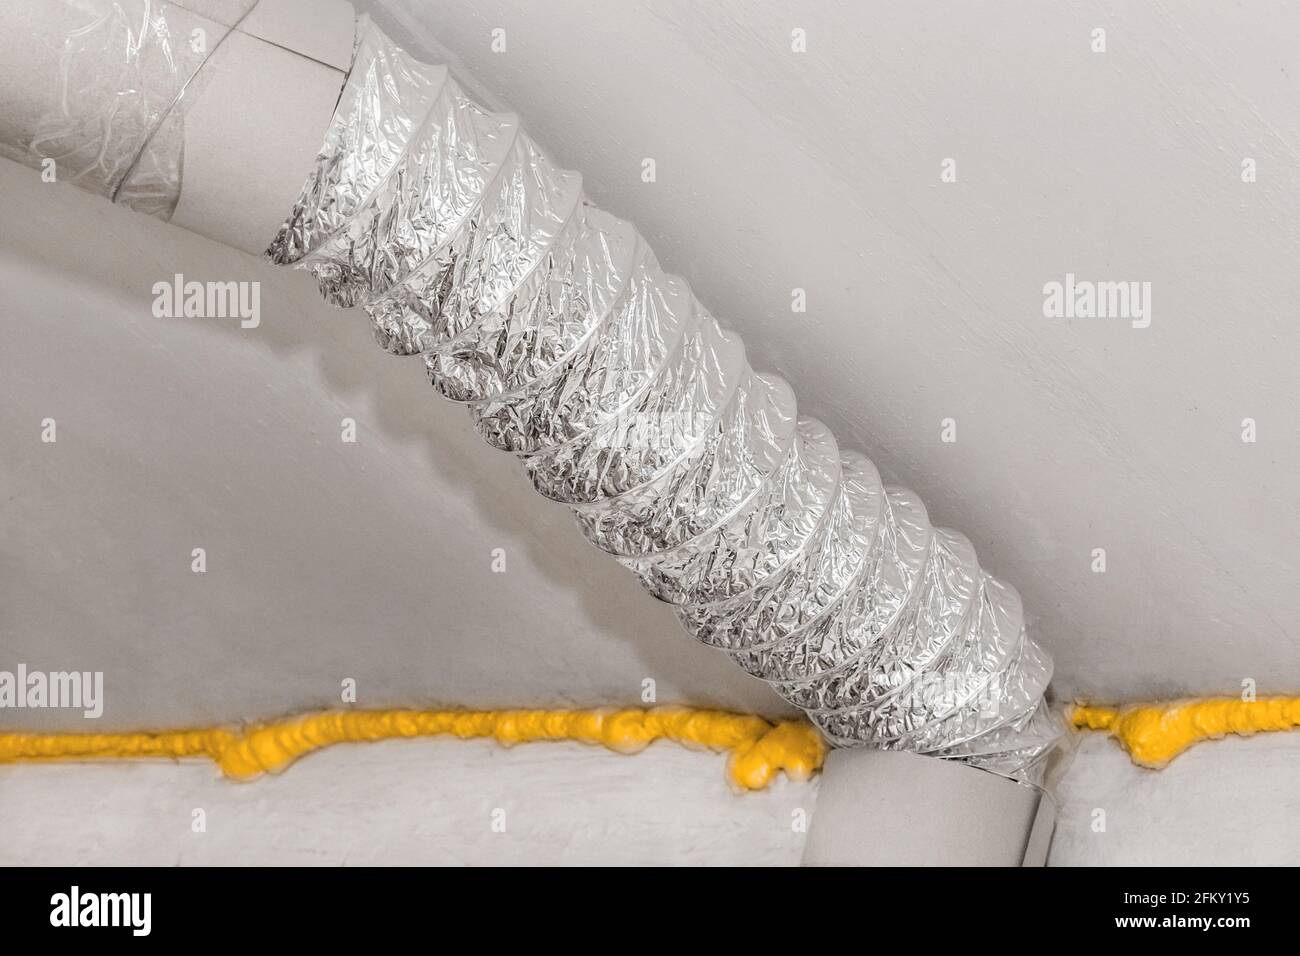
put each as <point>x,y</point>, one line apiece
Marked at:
<point>624,399</point>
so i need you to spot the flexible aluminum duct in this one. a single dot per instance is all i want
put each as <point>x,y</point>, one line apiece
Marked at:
<point>624,399</point>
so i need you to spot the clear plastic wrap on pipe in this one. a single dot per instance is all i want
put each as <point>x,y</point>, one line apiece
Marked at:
<point>102,90</point>
<point>624,399</point>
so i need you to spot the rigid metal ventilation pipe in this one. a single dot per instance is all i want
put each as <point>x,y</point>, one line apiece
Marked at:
<point>552,322</point>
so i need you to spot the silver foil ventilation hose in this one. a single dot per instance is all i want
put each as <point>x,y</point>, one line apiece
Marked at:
<point>624,399</point>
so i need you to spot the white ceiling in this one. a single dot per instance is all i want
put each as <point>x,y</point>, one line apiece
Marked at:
<point>821,170</point>
<point>325,560</point>
<point>775,170</point>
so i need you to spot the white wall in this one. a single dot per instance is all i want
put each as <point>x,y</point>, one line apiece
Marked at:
<point>427,802</point>
<point>821,171</point>
<point>432,802</point>
<point>1231,802</point>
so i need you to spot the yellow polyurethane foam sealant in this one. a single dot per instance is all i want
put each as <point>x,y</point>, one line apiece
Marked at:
<point>1154,734</point>
<point>759,749</point>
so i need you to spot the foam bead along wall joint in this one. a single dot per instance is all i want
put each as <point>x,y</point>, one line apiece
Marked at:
<point>759,749</point>
<point>623,398</point>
